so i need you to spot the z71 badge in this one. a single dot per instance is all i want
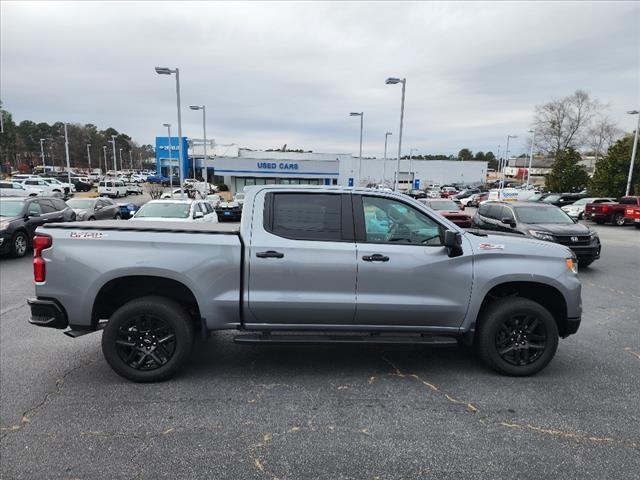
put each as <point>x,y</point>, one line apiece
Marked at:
<point>491,246</point>
<point>94,235</point>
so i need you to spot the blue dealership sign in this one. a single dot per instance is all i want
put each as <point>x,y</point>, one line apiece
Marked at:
<point>351,181</point>
<point>416,184</point>
<point>166,150</point>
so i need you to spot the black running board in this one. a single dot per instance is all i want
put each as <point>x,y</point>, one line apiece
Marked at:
<point>278,338</point>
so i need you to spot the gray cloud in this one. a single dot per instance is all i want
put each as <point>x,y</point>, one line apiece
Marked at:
<point>275,73</point>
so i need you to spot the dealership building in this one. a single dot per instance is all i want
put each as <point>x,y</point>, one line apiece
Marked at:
<point>240,167</point>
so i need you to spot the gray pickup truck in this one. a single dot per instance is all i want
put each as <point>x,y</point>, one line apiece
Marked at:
<point>306,265</point>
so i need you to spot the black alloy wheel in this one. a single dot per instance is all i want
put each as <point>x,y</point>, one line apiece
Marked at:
<point>145,342</point>
<point>521,339</point>
<point>619,220</point>
<point>148,339</point>
<point>516,336</point>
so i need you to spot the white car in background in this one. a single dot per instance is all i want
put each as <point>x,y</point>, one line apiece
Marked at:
<point>239,198</point>
<point>16,189</point>
<point>112,188</point>
<point>55,183</point>
<point>576,210</point>
<point>177,211</point>
<point>214,199</point>
<point>138,178</point>
<point>47,189</point>
<point>175,193</point>
<point>133,188</point>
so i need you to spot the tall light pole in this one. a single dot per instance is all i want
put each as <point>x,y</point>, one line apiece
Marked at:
<point>506,159</point>
<point>120,153</point>
<point>384,164</point>
<point>169,71</point>
<point>168,125</point>
<point>44,169</point>
<point>104,154</point>
<point>89,156</point>
<point>204,130</point>
<point>533,139</point>
<point>115,161</point>
<point>393,81</point>
<point>66,152</point>
<point>411,150</point>
<point>130,160</point>
<point>633,151</point>
<point>361,115</point>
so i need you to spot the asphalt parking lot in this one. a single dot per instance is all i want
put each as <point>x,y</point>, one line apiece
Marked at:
<point>329,411</point>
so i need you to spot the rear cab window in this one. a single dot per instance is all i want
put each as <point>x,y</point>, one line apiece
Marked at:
<point>305,216</point>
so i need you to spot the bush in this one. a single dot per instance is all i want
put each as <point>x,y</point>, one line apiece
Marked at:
<point>222,187</point>
<point>155,190</point>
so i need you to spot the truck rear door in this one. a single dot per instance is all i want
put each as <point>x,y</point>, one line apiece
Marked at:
<point>302,260</point>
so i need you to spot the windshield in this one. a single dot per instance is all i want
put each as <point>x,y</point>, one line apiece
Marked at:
<point>10,209</point>
<point>80,203</point>
<point>52,181</point>
<point>541,214</point>
<point>164,210</point>
<point>551,198</point>
<point>443,205</point>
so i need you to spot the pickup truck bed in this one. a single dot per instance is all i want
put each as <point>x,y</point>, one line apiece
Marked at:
<point>357,265</point>
<point>145,226</point>
<point>610,212</point>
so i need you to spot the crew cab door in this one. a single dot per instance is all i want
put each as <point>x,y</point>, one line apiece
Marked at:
<point>405,276</point>
<point>302,260</point>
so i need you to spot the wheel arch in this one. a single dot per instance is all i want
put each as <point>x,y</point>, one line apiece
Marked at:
<point>546,295</point>
<point>118,291</point>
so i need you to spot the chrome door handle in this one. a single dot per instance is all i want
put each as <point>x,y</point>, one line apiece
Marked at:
<point>269,254</point>
<point>376,257</point>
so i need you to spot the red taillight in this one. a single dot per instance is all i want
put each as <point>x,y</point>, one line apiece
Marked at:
<point>40,242</point>
<point>605,208</point>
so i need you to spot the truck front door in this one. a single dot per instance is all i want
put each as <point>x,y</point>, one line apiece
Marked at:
<point>405,276</point>
<point>302,260</point>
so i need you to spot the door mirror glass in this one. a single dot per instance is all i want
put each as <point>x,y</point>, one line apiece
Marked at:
<point>508,221</point>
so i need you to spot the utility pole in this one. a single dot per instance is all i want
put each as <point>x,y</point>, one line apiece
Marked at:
<point>66,151</point>
<point>89,156</point>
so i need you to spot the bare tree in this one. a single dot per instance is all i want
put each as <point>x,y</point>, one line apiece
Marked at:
<point>563,122</point>
<point>602,133</point>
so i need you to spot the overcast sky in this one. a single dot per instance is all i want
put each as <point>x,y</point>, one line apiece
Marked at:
<point>276,73</point>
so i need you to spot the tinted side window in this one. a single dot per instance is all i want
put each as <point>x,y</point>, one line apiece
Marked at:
<point>306,216</point>
<point>493,211</point>
<point>34,207</point>
<point>47,206</point>
<point>506,213</point>
<point>483,210</point>
<point>5,185</point>
<point>391,221</point>
<point>628,201</point>
<point>58,204</point>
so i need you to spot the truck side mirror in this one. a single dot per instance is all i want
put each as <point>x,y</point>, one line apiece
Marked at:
<point>509,221</point>
<point>453,243</point>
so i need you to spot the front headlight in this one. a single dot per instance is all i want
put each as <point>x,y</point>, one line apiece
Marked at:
<point>572,264</point>
<point>542,235</point>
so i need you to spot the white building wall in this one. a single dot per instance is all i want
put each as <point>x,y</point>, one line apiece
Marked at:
<point>427,171</point>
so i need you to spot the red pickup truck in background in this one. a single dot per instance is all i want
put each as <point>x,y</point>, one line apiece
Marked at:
<point>633,214</point>
<point>611,212</point>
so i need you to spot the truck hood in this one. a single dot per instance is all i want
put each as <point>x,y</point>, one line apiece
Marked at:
<point>515,244</point>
